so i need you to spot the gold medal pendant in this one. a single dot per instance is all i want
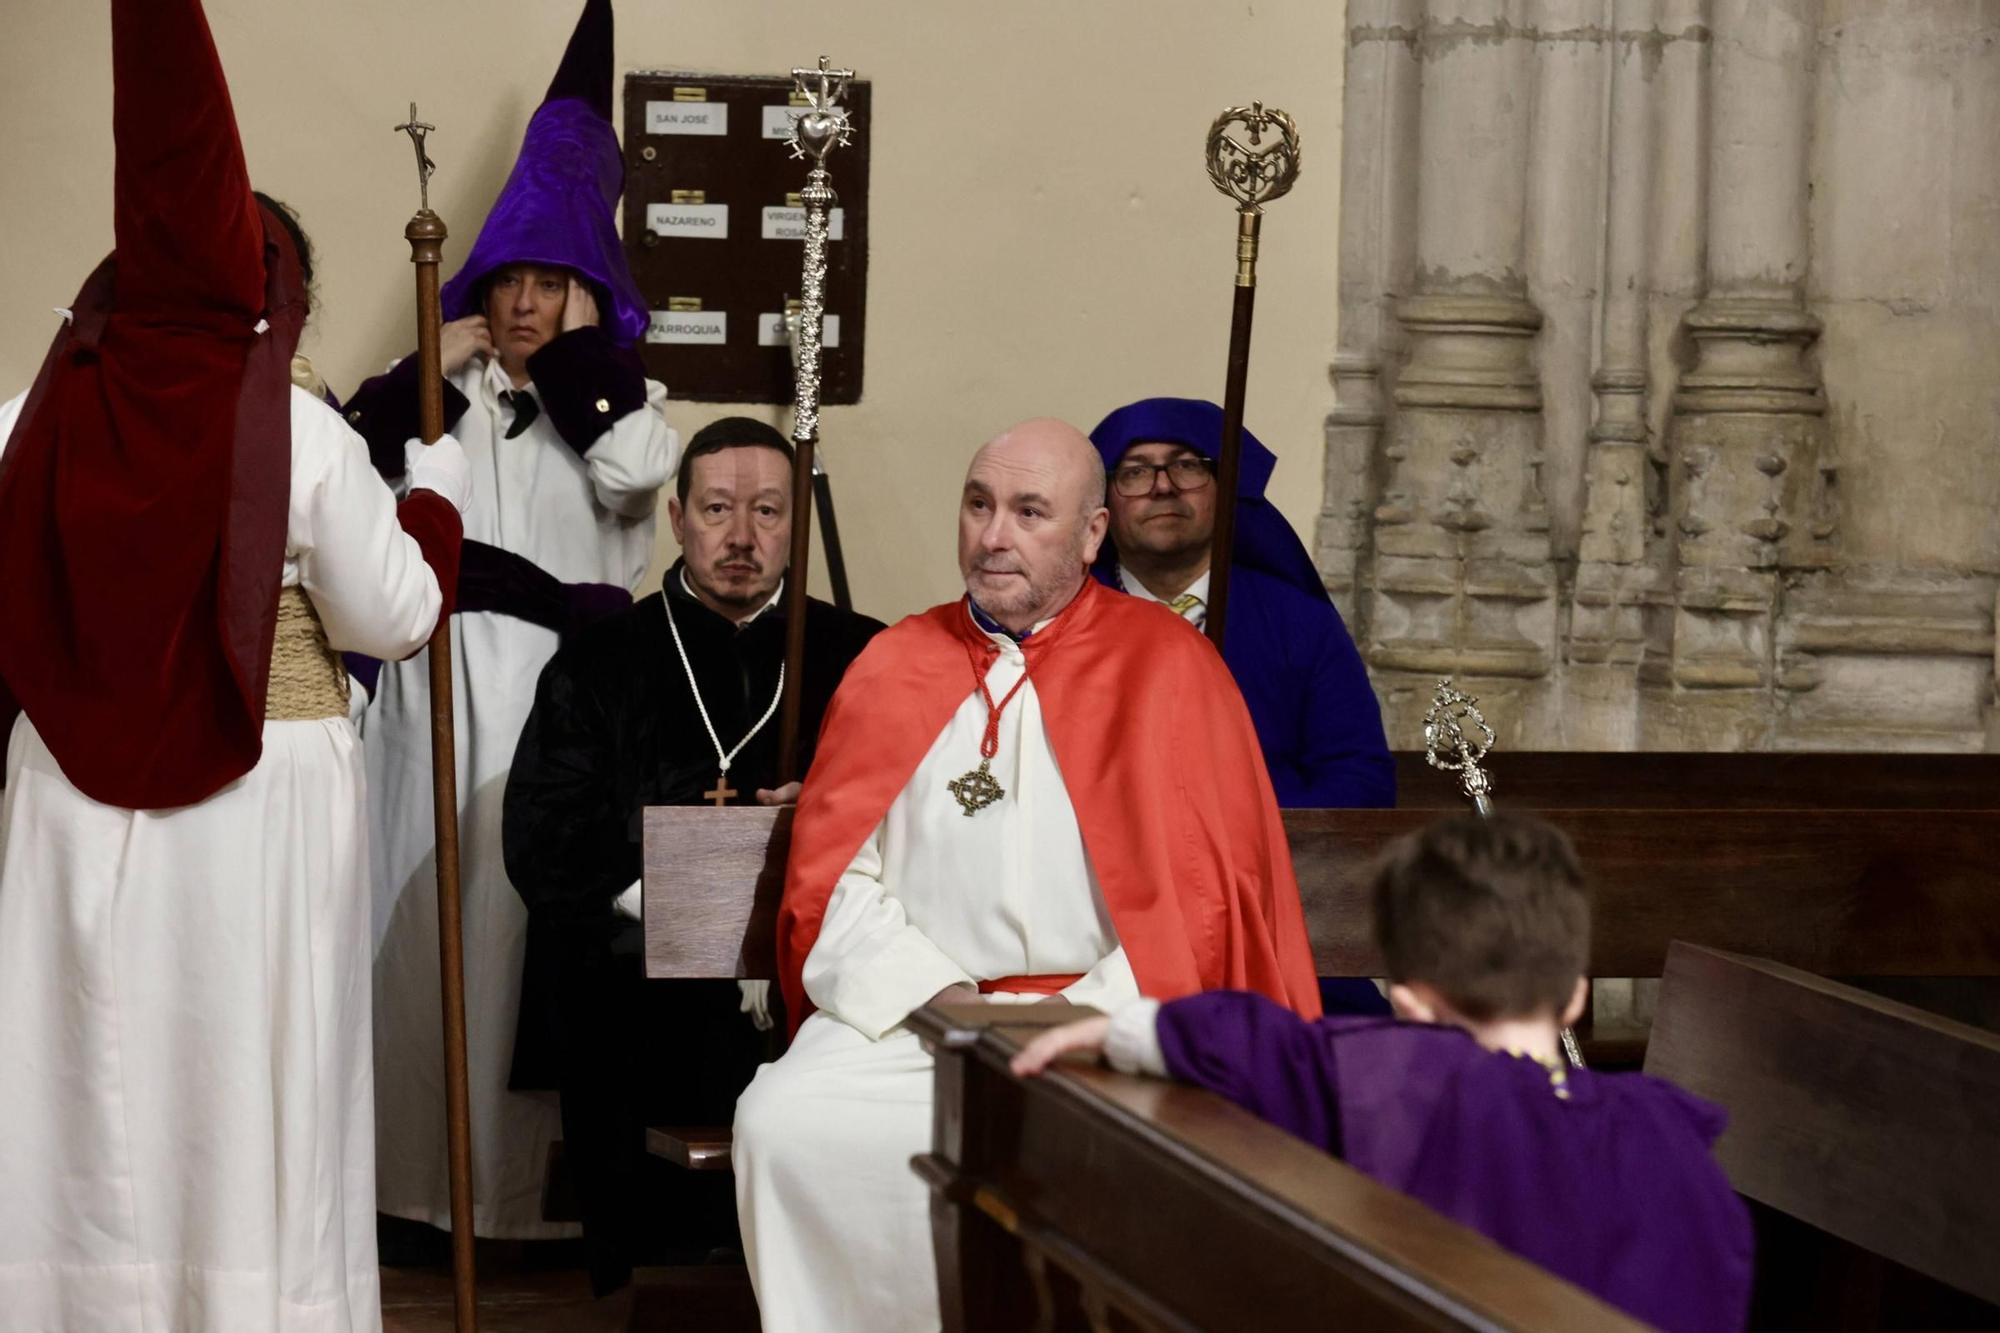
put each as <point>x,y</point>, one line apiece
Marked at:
<point>977,789</point>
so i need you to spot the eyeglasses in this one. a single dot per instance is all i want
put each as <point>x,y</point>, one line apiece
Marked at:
<point>1132,480</point>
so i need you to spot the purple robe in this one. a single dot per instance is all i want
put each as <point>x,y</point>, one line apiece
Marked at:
<point>1605,1180</point>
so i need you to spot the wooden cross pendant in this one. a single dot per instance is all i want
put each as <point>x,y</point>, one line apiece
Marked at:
<point>722,792</point>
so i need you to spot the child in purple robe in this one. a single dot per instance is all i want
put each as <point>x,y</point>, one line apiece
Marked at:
<point>1464,1101</point>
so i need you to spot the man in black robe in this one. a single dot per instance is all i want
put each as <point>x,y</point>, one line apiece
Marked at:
<point>616,727</point>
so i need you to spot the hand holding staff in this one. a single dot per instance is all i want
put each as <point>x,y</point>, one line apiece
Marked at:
<point>1252,174</point>
<point>426,234</point>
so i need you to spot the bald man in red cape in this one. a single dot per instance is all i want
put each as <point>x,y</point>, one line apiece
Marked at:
<point>1043,792</point>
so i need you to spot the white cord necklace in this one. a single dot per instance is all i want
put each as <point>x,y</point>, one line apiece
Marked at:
<point>722,792</point>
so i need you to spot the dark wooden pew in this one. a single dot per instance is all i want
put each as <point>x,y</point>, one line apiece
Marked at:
<point>1088,1200</point>
<point>1866,891</point>
<point>1700,780</point>
<point>1858,893</point>
<point>1867,1120</point>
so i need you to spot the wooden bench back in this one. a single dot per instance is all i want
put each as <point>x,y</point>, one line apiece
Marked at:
<point>1086,1199</point>
<point>1861,893</point>
<point>1699,780</point>
<point>1873,1121</point>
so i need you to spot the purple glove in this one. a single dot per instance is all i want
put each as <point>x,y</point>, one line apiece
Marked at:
<point>492,579</point>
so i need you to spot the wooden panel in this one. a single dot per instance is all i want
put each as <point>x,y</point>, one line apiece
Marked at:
<point>698,1147</point>
<point>1673,780</point>
<point>1866,1118</point>
<point>1167,1207</point>
<point>743,275</point>
<point>1842,893</point>
<point>712,883</point>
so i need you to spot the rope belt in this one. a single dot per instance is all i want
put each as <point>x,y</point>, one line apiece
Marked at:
<point>308,681</point>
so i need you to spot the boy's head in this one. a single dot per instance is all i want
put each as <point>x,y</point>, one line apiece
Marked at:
<point>1483,921</point>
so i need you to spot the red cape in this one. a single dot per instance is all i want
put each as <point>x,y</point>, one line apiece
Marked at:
<point>1162,767</point>
<point>143,497</point>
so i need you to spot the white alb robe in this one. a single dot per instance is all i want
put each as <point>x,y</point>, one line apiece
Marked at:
<point>583,519</point>
<point>186,1109</point>
<point>835,1223</point>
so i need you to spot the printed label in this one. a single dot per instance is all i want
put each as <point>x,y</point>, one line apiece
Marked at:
<point>771,331</point>
<point>687,118</point>
<point>702,221</point>
<point>706,328</point>
<point>789,224</point>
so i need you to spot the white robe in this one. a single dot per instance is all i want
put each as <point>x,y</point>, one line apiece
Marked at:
<point>584,520</point>
<point>186,1109</point>
<point>835,1223</point>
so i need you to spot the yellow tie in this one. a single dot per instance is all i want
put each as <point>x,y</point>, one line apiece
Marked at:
<point>1183,604</point>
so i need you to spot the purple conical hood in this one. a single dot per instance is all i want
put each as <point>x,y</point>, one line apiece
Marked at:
<point>560,204</point>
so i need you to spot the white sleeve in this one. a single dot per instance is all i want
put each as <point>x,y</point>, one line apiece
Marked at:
<point>10,413</point>
<point>1109,986</point>
<point>366,576</point>
<point>870,967</point>
<point>632,461</point>
<point>1132,1046</point>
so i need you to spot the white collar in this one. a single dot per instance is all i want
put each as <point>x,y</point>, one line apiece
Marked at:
<point>500,382</point>
<point>1130,582</point>
<point>689,590</point>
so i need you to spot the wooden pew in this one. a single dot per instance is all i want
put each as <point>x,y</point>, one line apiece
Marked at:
<point>1858,893</point>
<point>1891,890</point>
<point>1868,1120</point>
<point>1086,1199</point>
<point>1701,780</point>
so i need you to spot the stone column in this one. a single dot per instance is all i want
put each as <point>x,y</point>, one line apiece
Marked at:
<point>1377,258</point>
<point>1614,580</point>
<point>1462,578</point>
<point>1749,496</point>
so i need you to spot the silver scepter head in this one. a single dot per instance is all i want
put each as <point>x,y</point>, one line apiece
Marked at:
<point>1447,745</point>
<point>823,125</point>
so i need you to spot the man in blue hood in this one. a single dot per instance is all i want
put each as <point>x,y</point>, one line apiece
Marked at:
<point>1315,712</point>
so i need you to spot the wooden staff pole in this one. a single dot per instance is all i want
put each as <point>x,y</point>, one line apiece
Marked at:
<point>1252,173</point>
<point>1229,463</point>
<point>426,234</point>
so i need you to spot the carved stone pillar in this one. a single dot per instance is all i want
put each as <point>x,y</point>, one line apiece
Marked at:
<point>1377,258</point>
<point>1751,482</point>
<point>1462,579</point>
<point>1623,489</point>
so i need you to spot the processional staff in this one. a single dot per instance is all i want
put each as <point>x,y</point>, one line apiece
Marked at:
<point>1448,746</point>
<point>426,234</point>
<point>1253,174</point>
<point>829,526</point>
<point>822,127</point>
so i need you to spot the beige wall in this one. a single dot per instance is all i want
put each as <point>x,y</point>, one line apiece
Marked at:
<point>1045,238</point>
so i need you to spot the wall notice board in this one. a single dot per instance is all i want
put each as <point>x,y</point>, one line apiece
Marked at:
<point>714,232</point>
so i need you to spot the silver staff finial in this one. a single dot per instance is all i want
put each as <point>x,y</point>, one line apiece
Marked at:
<point>823,125</point>
<point>416,129</point>
<point>1448,747</point>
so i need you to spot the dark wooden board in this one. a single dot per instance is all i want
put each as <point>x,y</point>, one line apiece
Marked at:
<point>1871,1120</point>
<point>1842,893</point>
<point>743,275</point>
<point>1171,1209</point>
<point>1839,892</point>
<point>1691,780</point>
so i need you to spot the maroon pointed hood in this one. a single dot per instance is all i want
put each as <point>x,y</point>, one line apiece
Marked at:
<point>143,495</point>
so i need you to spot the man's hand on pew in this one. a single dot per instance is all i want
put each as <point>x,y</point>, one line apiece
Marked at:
<point>785,795</point>
<point>1086,1036</point>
